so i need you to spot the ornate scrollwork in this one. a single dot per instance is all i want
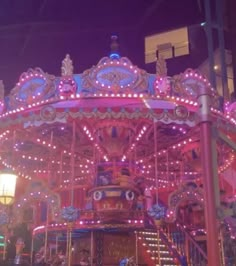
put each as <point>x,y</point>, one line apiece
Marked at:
<point>189,84</point>
<point>48,113</point>
<point>114,76</point>
<point>181,112</point>
<point>34,85</point>
<point>189,191</point>
<point>231,110</point>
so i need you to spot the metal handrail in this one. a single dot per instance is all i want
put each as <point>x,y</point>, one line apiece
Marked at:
<point>187,246</point>
<point>193,241</point>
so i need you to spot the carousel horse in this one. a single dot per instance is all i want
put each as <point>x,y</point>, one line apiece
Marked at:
<point>84,258</point>
<point>127,262</point>
<point>59,259</point>
<point>40,257</point>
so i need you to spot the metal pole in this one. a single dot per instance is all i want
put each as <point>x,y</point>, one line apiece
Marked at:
<point>155,155</point>
<point>91,249</point>
<point>61,168</point>
<point>135,161</point>
<point>222,248</point>
<point>156,181</point>
<point>32,251</point>
<point>46,235</point>
<point>210,43</point>
<point>73,163</point>
<point>69,232</point>
<point>158,246</point>
<point>223,69</point>
<point>47,218</point>
<point>186,246</point>
<point>167,167</point>
<point>208,165</point>
<point>136,247</point>
<point>231,21</point>
<point>56,244</point>
<point>69,245</point>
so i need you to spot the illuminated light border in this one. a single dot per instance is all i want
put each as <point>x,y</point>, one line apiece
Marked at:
<point>43,194</point>
<point>81,224</point>
<point>185,192</point>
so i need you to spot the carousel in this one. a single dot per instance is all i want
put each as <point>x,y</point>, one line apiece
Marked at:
<point>109,166</point>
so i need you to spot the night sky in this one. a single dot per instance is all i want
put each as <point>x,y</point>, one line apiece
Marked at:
<point>38,33</point>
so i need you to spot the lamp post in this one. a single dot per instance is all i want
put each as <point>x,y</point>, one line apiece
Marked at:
<point>7,193</point>
<point>7,187</point>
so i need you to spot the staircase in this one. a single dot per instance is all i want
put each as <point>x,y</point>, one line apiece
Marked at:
<point>167,247</point>
<point>158,252</point>
<point>186,244</point>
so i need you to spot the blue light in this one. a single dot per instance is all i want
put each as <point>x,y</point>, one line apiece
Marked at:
<point>114,56</point>
<point>203,24</point>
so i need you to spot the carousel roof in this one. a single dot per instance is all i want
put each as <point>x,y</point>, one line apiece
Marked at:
<point>114,111</point>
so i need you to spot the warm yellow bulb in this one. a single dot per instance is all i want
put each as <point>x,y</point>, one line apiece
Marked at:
<point>7,188</point>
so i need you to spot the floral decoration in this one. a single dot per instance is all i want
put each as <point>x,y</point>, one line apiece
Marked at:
<point>157,211</point>
<point>70,214</point>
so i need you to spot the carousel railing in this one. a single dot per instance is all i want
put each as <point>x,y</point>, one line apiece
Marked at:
<point>227,245</point>
<point>187,246</point>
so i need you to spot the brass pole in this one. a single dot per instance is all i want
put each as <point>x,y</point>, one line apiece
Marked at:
<point>46,235</point>
<point>157,183</point>
<point>69,244</point>
<point>47,218</point>
<point>158,246</point>
<point>69,238</point>
<point>155,155</point>
<point>56,244</point>
<point>222,248</point>
<point>32,249</point>
<point>73,163</point>
<point>136,247</point>
<point>91,248</point>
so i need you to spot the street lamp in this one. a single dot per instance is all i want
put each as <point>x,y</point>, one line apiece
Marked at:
<point>7,187</point>
<point>7,193</point>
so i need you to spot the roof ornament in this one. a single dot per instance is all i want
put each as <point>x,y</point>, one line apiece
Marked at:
<point>161,67</point>
<point>114,47</point>
<point>2,90</point>
<point>67,66</point>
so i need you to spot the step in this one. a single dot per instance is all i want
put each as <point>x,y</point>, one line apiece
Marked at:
<point>150,242</point>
